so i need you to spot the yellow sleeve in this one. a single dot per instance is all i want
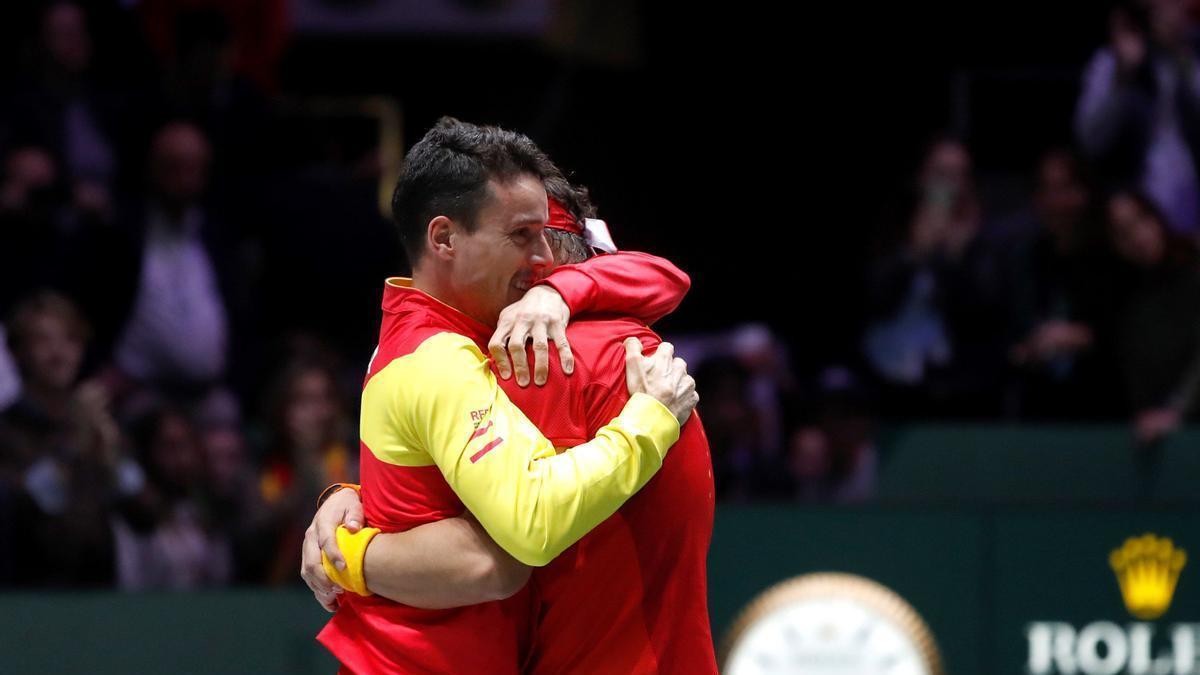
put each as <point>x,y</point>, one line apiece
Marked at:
<point>444,400</point>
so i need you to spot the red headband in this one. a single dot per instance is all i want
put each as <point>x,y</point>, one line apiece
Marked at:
<point>561,219</point>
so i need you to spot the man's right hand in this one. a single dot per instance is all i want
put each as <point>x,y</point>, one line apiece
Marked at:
<point>662,376</point>
<point>342,508</point>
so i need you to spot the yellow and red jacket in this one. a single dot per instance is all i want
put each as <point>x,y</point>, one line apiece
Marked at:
<point>438,437</point>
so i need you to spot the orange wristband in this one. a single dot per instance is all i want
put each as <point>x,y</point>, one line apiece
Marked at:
<point>328,492</point>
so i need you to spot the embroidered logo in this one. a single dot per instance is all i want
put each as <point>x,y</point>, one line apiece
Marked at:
<point>478,415</point>
<point>480,432</point>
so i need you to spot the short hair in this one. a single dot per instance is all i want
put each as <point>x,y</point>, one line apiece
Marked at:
<point>569,247</point>
<point>39,303</point>
<point>447,172</point>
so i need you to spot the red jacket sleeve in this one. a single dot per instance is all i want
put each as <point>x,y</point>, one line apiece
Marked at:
<point>637,285</point>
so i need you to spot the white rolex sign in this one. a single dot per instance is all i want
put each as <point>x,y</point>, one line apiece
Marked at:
<point>1106,648</point>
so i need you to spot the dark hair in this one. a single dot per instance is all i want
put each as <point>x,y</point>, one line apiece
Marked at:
<point>1180,251</point>
<point>569,247</point>
<point>447,172</point>
<point>44,302</point>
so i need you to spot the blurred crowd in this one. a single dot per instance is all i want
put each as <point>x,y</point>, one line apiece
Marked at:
<point>183,260</point>
<point>173,384</point>
<point>1081,304</point>
<point>1078,302</point>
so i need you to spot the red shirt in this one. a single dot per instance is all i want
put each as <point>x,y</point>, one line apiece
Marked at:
<point>631,596</point>
<point>668,625</point>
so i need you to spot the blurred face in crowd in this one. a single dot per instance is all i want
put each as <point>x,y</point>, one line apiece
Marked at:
<point>947,171</point>
<point>849,431</point>
<point>1168,20</point>
<point>51,351</point>
<point>176,453</point>
<point>755,347</point>
<point>312,408</point>
<point>27,171</point>
<point>65,36</point>
<point>225,451</point>
<point>494,265</point>
<point>1137,234</point>
<point>179,161</point>
<point>1061,199</point>
<point>727,411</point>
<point>810,455</point>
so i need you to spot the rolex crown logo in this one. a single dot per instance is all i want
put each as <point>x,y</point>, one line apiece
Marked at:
<point>1147,568</point>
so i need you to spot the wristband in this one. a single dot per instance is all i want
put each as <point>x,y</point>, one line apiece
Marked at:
<point>328,492</point>
<point>354,549</point>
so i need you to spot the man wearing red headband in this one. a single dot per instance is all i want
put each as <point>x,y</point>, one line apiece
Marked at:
<point>631,596</point>
<point>408,565</point>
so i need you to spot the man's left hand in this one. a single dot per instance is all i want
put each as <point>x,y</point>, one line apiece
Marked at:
<point>342,508</point>
<point>541,316</point>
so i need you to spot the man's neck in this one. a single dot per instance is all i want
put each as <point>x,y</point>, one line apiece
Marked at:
<point>426,281</point>
<point>438,286</point>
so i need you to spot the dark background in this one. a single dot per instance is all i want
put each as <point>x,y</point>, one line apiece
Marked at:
<point>752,144</point>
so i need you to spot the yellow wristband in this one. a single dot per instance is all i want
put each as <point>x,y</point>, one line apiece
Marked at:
<point>354,549</point>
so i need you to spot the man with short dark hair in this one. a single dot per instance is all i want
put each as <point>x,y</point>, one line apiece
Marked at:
<point>630,597</point>
<point>440,438</point>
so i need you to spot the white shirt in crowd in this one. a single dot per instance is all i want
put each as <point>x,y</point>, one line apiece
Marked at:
<point>179,327</point>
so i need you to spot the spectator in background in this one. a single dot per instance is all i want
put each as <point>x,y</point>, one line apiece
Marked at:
<point>833,458</point>
<point>741,470</point>
<point>30,175</point>
<point>64,110</point>
<point>61,451</point>
<point>1139,112</point>
<point>32,232</point>
<point>1157,330</point>
<point>172,541</point>
<point>1059,293</point>
<point>218,60</point>
<point>207,43</point>
<point>746,374</point>
<point>936,322</point>
<point>231,477</point>
<point>30,240</point>
<point>231,501</point>
<point>764,359</point>
<point>170,269</point>
<point>311,445</point>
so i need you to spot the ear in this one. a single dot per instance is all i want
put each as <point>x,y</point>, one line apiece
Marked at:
<point>439,237</point>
